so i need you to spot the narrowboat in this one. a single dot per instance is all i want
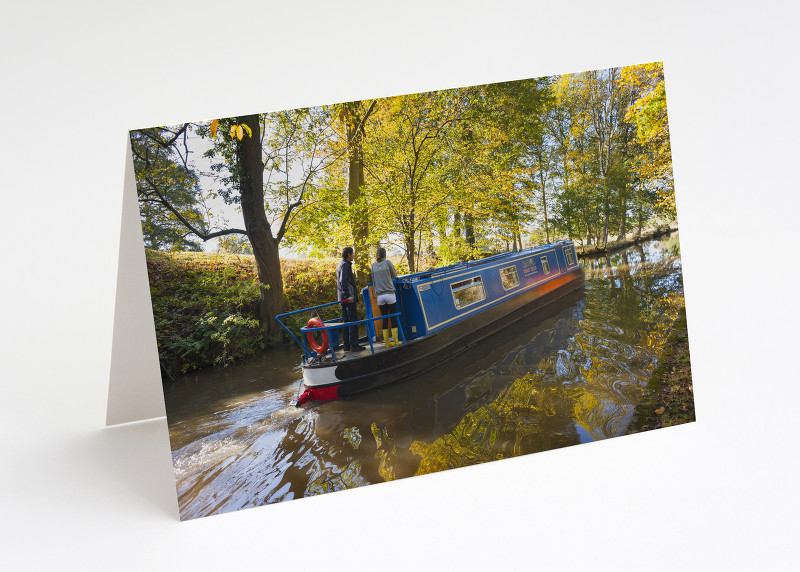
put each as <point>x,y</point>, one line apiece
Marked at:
<point>441,313</point>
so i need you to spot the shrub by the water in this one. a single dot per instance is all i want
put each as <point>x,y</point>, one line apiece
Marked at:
<point>205,305</point>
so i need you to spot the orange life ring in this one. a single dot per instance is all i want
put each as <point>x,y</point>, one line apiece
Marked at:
<point>319,348</point>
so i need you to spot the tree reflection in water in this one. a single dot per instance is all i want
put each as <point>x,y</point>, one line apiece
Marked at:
<point>586,391</point>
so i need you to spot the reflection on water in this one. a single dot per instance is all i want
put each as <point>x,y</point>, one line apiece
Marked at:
<point>573,376</point>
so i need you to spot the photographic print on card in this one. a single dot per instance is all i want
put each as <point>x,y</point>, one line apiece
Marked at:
<point>365,291</point>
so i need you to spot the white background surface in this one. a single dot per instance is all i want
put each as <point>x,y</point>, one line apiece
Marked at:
<point>717,494</point>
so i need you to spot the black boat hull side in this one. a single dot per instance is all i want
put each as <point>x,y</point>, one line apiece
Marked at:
<point>410,359</point>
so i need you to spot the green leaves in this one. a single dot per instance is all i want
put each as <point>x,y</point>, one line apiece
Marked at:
<point>168,190</point>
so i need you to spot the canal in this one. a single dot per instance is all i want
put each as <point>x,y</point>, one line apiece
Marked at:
<point>573,376</point>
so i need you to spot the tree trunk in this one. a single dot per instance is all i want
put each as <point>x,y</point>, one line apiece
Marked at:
<point>641,223</point>
<point>623,228</point>
<point>359,225</point>
<point>410,240</point>
<point>544,202</point>
<point>410,251</point>
<point>265,247</point>
<point>469,229</point>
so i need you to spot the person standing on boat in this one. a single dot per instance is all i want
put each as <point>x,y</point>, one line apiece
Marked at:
<point>383,275</point>
<point>346,292</point>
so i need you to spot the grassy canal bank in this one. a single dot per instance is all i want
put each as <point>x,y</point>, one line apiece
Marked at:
<point>669,399</point>
<point>593,251</point>
<point>205,305</point>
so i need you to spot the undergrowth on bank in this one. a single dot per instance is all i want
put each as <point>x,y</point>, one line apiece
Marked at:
<point>205,305</point>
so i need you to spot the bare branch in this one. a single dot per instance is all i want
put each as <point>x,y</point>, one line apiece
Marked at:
<point>163,143</point>
<point>202,235</point>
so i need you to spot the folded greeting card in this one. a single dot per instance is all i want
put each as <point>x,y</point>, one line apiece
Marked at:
<point>352,293</point>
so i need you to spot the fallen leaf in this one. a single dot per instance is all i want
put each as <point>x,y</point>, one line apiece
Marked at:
<point>659,411</point>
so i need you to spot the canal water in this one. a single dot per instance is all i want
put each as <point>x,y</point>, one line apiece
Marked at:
<point>574,375</point>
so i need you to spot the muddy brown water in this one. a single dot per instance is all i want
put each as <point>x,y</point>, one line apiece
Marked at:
<point>573,375</point>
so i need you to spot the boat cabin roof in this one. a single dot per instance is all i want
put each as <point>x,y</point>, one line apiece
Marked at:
<point>441,297</point>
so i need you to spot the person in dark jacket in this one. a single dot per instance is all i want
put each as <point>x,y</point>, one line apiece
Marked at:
<point>347,295</point>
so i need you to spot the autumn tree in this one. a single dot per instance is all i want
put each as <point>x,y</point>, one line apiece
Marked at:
<point>170,200</point>
<point>565,128</point>
<point>486,165</point>
<point>354,116</point>
<point>601,103</point>
<point>240,142</point>
<point>648,113</point>
<point>602,180</point>
<point>408,142</point>
<point>516,112</point>
<point>289,146</point>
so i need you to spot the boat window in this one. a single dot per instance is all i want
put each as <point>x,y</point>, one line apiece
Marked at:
<point>570,260</point>
<point>468,292</point>
<point>545,265</point>
<point>509,277</point>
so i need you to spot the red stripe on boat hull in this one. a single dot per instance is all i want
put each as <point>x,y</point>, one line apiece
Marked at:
<point>327,393</point>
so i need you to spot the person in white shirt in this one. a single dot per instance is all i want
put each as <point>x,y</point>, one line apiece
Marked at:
<point>383,275</point>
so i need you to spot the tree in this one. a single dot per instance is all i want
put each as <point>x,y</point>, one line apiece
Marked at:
<point>354,116</point>
<point>566,134</point>
<point>293,138</point>
<point>290,146</point>
<point>487,165</point>
<point>527,103</point>
<point>597,153</point>
<point>648,113</point>
<point>248,175</point>
<point>168,192</point>
<point>602,105</point>
<point>408,139</point>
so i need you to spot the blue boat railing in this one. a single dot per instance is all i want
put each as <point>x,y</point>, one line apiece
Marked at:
<point>334,325</point>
